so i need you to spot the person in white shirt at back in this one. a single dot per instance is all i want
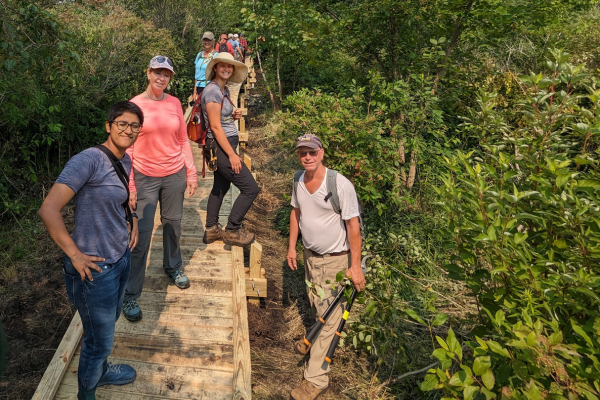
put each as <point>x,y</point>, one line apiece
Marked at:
<point>332,242</point>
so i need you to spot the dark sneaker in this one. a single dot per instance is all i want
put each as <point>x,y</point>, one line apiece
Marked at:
<point>86,394</point>
<point>300,347</point>
<point>117,374</point>
<point>306,391</point>
<point>132,310</point>
<point>212,234</point>
<point>180,278</point>
<point>238,237</point>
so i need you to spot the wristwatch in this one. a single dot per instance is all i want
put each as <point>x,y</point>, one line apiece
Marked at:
<point>134,215</point>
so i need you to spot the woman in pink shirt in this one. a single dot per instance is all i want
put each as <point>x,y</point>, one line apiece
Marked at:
<point>163,170</point>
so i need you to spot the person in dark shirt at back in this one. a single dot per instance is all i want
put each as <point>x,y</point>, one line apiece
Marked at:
<point>97,255</point>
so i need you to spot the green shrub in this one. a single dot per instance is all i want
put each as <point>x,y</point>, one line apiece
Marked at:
<point>524,236</point>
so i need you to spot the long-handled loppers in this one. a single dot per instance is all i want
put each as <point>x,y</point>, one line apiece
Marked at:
<point>316,328</point>
<point>338,333</point>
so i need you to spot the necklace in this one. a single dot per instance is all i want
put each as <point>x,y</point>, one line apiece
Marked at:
<point>152,98</point>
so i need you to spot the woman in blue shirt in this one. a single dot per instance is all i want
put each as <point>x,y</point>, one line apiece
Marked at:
<point>202,60</point>
<point>97,255</point>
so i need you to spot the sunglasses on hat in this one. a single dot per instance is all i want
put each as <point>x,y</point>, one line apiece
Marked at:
<point>162,59</point>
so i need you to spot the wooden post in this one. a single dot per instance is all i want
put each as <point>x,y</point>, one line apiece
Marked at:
<point>242,388</point>
<point>255,267</point>
<point>248,161</point>
<point>60,362</point>
<point>242,125</point>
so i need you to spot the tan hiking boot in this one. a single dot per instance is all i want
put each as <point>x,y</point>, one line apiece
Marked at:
<point>212,234</point>
<point>300,347</point>
<point>306,391</point>
<point>237,237</point>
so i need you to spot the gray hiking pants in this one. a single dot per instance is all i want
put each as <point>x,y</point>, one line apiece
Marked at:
<point>169,191</point>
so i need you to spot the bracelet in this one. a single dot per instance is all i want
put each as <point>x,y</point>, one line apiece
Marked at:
<point>134,215</point>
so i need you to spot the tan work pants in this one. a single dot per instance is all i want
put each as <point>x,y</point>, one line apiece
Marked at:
<point>318,270</point>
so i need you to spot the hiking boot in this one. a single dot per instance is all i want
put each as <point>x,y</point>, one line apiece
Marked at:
<point>237,237</point>
<point>117,374</point>
<point>306,391</point>
<point>180,278</point>
<point>132,310</point>
<point>212,234</point>
<point>300,347</point>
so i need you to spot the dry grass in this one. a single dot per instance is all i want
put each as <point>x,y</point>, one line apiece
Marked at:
<point>276,369</point>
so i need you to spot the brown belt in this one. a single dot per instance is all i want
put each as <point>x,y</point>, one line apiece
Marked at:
<point>339,253</point>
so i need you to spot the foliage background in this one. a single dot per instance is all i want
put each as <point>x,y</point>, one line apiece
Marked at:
<point>405,95</point>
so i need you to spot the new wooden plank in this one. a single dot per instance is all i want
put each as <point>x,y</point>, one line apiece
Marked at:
<point>166,380</point>
<point>181,330</point>
<point>194,273</point>
<point>242,388</point>
<point>189,248</point>
<point>181,303</point>
<point>197,270</point>
<point>60,362</point>
<point>204,287</point>
<point>68,392</point>
<point>160,350</point>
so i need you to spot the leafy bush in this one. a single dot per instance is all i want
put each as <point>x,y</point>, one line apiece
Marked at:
<point>524,236</point>
<point>376,136</point>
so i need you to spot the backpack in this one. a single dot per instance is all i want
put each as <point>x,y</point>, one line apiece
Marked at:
<point>197,128</point>
<point>332,195</point>
<point>223,48</point>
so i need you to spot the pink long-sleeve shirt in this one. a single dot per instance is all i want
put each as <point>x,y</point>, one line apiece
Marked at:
<point>162,147</point>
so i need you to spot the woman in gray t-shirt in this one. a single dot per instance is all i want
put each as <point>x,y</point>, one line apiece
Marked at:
<point>222,137</point>
<point>97,255</point>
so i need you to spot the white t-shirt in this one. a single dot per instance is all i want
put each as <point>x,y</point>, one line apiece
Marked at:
<point>323,230</point>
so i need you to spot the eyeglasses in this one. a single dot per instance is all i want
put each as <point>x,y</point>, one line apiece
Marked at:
<point>162,59</point>
<point>122,125</point>
<point>313,153</point>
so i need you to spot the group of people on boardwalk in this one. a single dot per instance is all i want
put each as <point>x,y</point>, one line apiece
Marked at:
<point>147,159</point>
<point>234,44</point>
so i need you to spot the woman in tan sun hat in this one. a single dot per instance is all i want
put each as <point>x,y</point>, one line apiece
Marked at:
<point>222,137</point>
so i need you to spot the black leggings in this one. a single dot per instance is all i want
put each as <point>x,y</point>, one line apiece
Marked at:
<point>223,178</point>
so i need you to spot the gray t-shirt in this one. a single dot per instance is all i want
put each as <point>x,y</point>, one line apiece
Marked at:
<point>212,94</point>
<point>100,225</point>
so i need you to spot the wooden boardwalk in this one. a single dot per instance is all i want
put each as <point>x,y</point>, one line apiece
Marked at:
<point>190,344</point>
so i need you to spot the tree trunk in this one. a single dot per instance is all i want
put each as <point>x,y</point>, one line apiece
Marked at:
<point>458,28</point>
<point>265,78</point>
<point>401,151</point>
<point>402,161</point>
<point>279,82</point>
<point>412,171</point>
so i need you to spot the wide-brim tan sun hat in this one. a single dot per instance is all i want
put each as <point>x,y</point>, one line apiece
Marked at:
<point>240,70</point>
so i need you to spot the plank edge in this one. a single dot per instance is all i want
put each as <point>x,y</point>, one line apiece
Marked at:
<point>60,361</point>
<point>242,388</point>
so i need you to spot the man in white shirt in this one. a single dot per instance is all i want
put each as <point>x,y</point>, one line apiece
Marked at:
<point>332,243</point>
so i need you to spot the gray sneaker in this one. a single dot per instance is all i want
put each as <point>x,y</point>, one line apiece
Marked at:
<point>180,278</point>
<point>132,310</point>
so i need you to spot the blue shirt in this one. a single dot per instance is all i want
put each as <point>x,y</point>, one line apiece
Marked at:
<point>234,44</point>
<point>100,225</point>
<point>201,64</point>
